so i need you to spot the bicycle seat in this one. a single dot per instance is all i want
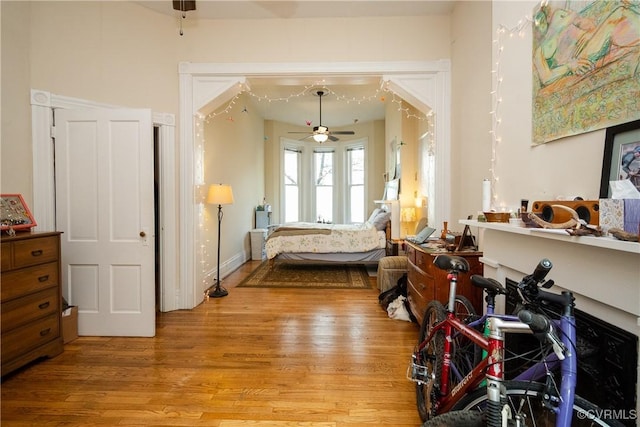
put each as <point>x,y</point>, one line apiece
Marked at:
<point>451,263</point>
<point>490,285</point>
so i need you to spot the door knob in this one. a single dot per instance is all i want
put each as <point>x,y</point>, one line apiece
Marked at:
<point>142,234</point>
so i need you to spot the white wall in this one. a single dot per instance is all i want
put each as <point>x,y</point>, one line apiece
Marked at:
<point>471,51</point>
<point>563,168</point>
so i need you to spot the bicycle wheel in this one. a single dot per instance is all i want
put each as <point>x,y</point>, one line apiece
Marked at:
<point>465,355</point>
<point>431,356</point>
<point>527,398</point>
<point>463,309</point>
<point>457,419</point>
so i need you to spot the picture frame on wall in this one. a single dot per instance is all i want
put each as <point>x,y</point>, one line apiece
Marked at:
<point>14,213</point>
<point>621,159</point>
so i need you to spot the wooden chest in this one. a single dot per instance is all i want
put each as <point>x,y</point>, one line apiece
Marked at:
<point>31,298</point>
<point>427,282</point>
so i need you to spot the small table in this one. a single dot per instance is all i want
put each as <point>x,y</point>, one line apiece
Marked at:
<point>395,247</point>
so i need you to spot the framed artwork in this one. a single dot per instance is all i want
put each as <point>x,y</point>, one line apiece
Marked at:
<point>14,213</point>
<point>585,55</point>
<point>621,159</point>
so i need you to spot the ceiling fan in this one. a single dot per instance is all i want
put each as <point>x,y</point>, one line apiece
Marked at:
<point>321,133</point>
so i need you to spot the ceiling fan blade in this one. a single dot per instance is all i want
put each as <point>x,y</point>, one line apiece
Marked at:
<point>343,132</point>
<point>333,138</point>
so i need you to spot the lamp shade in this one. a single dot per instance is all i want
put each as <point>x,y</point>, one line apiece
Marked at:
<point>320,137</point>
<point>220,194</point>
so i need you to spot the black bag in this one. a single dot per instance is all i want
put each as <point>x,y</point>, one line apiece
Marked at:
<point>385,298</point>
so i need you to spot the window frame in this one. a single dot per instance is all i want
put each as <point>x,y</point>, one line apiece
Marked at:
<point>307,200</point>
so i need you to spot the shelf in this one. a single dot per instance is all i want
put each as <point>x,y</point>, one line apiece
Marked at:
<point>605,242</point>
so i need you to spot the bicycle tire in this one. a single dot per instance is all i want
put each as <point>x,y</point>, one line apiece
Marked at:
<point>530,396</point>
<point>457,419</point>
<point>432,356</point>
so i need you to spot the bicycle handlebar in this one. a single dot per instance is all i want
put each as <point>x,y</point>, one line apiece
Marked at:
<point>538,275</point>
<point>540,324</point>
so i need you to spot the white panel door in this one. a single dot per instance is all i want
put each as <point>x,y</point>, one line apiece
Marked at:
<point>104,207</point>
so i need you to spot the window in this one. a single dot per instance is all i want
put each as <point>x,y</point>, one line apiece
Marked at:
<point>291,185</point>
<point>324,183</point>
<point>355,184</point>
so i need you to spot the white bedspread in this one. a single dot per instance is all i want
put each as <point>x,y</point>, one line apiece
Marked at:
<point>324,238</point>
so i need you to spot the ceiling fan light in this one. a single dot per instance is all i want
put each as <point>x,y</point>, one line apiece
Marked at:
<point>320,137</point>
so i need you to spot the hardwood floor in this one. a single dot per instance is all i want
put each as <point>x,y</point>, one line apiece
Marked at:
<point>258,357</point>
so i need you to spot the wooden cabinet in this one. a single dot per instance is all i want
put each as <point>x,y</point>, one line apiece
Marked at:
<point>31,298</point>
<point>427,282</point>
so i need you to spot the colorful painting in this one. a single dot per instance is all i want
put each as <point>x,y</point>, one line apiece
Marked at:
<point>586,67</point>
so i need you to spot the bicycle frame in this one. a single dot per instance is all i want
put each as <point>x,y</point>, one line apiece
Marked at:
<point>568,368</point>
<point>495,360</point>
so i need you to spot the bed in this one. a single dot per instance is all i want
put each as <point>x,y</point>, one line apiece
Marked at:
<point>362,243</point>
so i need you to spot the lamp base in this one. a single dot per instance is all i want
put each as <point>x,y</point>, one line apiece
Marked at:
<point>218,292</point>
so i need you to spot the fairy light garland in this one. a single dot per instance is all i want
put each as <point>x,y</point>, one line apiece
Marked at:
<point>502,33</point>
<point>379,95</point>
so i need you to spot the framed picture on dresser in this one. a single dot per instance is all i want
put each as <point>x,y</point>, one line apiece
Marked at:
<point>14,213</point>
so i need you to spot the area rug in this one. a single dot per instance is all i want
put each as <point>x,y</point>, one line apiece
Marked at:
<point>285,275</point>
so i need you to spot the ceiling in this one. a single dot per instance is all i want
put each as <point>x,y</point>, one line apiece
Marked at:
<point>294,100</point>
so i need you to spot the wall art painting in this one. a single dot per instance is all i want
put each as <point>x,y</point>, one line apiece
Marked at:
<point>586,67</point>
<point>14,213</point>
<point>621,159</point>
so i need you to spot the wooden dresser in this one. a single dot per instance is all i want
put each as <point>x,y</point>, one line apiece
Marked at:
<point>426,282</point>
<point>31,298</point>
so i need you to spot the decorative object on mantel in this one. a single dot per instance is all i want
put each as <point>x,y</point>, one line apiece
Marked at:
<point>15,214</point>
<point>619,161</point>
<point>623,235</point>
<point>497,216</point>
<point>587,210</point>
<point>586,230</point>
<point>574,222</point>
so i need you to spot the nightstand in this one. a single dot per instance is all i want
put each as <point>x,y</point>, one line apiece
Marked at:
<point>395,247</point>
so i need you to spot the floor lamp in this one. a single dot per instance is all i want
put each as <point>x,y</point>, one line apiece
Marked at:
<point>219,194</point>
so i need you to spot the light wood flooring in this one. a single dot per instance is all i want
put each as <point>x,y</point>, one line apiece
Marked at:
<point>258,357</point>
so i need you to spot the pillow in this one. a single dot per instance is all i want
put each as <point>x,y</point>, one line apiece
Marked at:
<point>373,215</point>
<point>381,220</point>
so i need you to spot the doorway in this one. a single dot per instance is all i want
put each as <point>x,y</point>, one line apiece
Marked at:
<point>205,87</point>
<point>43,104</point>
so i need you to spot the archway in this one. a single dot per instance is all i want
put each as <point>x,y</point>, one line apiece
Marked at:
<point>206,86</point>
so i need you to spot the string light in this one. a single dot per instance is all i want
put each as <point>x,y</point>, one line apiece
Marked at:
<point>502,32</point>
<point>377,96</point>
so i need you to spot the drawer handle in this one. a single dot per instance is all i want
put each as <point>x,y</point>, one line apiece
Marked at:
<point>36,253</point>
<point>43,278</point>
<point>45,332</point>
<point>44,305</point>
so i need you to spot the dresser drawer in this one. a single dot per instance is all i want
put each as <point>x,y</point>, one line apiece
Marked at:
<point>24,310</point>
<point>28,280</point>
<point>410,252</point>
<point>416,297</point>
<point>32,335</point>
<point>5,254</point>
<point>424,261</point>
<point>35,251</point>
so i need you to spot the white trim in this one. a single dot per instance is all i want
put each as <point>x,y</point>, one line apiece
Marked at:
<point>42,105</point>
<point>427,84</point>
